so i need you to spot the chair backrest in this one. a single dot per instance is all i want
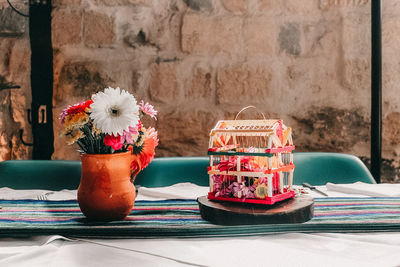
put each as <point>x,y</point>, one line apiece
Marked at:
<point>171,170</point>
<point>318,168</point>
<point>40,174</point>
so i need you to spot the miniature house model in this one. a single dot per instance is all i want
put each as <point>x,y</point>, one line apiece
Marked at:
<point>251,161</point>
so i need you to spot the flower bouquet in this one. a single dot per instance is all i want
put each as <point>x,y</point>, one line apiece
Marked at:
<point>114,146</point>
<point>109,123</point>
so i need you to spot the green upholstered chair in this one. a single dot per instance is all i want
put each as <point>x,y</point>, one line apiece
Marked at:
<point>318,168</point>
<point>171,170</point>
<point>315,168</point>
<point>40,174</point>
<point>65,174</point>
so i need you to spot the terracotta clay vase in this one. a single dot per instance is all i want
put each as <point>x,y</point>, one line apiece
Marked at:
<point>106,192</point>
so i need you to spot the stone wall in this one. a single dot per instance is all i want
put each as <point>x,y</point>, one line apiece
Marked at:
<point>197,61</point>
<point>15,90</point>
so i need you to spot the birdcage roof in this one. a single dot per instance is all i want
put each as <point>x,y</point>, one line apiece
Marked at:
<point>255,136</point>
<point>248,126</point>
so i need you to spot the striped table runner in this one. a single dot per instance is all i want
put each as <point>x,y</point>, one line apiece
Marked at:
<point>181,218</point>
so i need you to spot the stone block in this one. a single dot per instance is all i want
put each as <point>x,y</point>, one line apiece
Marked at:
<point>5,147</point>
<point>268,6</point>
<point>330,129</point>
<point>258,113</point>
<point>390,83</point>
<point>6,47</point>
<point>199,86</point>
<point>66,27</point>
<point>259,35</point>
<point>98,29</point>
<point>356,32</point>
<point>7,126</point>
<point>120,2</point>
<point>184,131</point>
<point>245,84</point>
<point>164,86</point>
<point>19,150</point>
<point>199,5</point>
<point>11,23</point>
<point>289,38</point>
<point>357,74</point>
<point>391,37</point>
<point>236,6</point>
<point>57,3</point>
<point>321,38</point>
<point>78,80</point>
<point>211,35</point>
<point>20,62</point>
<point>10,144</point>
<point>302,7</point>
<point>390,9</point>
<point>334,4</point>
<point>19,105</point>
<point>391,129</point>
<point>311,81</point>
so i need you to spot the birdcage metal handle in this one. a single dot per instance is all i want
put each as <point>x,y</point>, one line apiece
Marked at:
<point>243,109</point>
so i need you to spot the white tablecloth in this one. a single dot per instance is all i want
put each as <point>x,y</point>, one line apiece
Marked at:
<point>293,249</point>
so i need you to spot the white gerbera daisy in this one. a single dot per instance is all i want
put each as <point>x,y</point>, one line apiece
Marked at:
<point>114,110</point>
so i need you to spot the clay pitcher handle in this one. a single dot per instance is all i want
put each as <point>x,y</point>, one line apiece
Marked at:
<point>135,166</point>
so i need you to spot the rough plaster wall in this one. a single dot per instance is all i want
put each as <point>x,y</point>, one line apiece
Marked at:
<point>197,61</point>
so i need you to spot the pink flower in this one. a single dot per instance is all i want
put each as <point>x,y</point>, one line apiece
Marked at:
<point>148,109</point>
<point>224,192</point>
<point>241,190</point>
<point>235,188</point>
<point>114,141</point>
<point>248,192</point>
<point>221,187</point>
<point>64,114</point>
<point>231,164</point>
<point>128,136</point>
<point>263,180</point>
<point>217,182</point>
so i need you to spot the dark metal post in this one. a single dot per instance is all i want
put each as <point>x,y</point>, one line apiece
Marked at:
<point>376,89</point>
<point>41,78</point>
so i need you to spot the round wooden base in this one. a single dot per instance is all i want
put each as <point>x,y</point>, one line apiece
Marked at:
<point>295,210</point>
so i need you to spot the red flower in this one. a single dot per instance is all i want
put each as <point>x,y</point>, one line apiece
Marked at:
<point>81,107</point>
<point>113,141</point>
<point>75,109</point>
<point>231,164</point>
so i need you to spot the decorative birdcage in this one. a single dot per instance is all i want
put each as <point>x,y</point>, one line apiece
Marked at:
<point>251,161</point>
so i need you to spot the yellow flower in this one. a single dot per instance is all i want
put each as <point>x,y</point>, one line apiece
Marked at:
<point>72,135</point>
<point>261,191</point>
<point>96,130</point>
<point>76,120</point>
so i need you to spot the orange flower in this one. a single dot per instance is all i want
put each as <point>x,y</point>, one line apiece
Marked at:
<point>147,152</point>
